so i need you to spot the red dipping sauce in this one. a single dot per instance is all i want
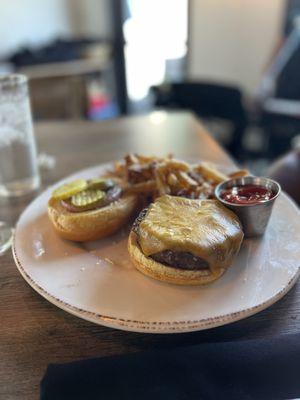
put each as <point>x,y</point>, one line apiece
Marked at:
<point>246,194</point>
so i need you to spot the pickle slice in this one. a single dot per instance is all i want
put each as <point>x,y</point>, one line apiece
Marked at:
<point>88,197</point>
<point>102,184</point>
<point>69,189</point>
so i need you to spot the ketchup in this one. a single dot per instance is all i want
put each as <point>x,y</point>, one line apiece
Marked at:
<point>246,194</point>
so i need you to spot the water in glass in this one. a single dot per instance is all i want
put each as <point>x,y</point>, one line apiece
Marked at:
<point>18,159</point>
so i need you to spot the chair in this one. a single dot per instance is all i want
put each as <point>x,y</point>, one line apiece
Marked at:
<point>280,124</point>
<point>279,92</point>
<point>286,170</point>
<point>210,101</point>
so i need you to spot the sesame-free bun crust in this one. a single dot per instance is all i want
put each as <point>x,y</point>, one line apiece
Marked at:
<point>94,224</point>
<point>161,272</point>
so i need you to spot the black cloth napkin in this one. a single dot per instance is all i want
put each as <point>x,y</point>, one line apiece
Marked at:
<point>256,369</point>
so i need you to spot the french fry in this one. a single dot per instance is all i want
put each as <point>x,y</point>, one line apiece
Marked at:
<point>172,179</point>
<point>158,176</point>
<point>239,174</point>
<point>210,173</point>
<point>186,180</point>
<point>147,159</point>
<point>162,187</point>
<point>161,180</point>
<point>179,165</point>
<point>131,159</point>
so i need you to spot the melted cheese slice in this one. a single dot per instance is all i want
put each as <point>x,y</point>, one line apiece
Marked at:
<point>204,228</point>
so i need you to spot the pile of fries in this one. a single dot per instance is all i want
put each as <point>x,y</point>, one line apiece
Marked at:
<point>153,177</point>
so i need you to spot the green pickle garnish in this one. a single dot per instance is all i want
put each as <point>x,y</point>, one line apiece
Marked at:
<point>69,189</point>
<point>87,197</point>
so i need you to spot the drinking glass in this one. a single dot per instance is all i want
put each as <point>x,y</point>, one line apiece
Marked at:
<point>18,157</point>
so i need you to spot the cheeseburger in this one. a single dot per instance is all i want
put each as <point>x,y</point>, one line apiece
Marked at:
<point>184,241</point>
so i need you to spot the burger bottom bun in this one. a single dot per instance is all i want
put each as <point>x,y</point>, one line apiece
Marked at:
<point>94,224</point>
<point>164,273</point>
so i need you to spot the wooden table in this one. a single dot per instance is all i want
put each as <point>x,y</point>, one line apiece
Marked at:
<point>34,332</point>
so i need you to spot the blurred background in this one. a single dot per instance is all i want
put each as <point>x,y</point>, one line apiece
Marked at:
<point>234,63</point>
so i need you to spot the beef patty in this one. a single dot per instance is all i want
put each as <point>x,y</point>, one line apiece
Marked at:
<point>180,259</point>
<point>173,258</point>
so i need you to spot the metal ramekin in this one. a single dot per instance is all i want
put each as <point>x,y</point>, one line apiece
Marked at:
<point>254,217</point>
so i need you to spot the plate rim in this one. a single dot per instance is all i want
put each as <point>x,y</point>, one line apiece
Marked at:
<point>146,326</point>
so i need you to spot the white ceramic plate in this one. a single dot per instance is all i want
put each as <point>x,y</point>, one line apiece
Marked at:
<point>97,281</point>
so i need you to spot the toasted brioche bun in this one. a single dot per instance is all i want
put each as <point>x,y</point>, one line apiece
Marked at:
<point>94,224</point>
<point>164,273</point>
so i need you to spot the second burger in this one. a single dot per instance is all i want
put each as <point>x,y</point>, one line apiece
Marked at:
<point>184,241</point>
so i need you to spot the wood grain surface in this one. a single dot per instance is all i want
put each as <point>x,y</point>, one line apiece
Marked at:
<point>34,332</point>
